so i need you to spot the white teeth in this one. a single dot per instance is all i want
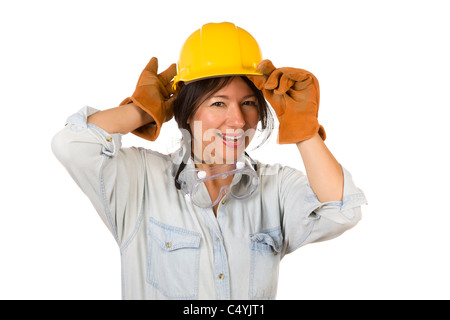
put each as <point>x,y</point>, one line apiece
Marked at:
<point>232,139</point>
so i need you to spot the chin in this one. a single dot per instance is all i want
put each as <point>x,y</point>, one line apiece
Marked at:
<point>230,156</point>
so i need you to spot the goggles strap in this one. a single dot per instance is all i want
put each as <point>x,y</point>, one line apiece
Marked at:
<point>253,162</point>
<point>185,159</point>
<point>180,168</point>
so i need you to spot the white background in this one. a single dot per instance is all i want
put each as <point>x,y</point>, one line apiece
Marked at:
<point>383,68</point>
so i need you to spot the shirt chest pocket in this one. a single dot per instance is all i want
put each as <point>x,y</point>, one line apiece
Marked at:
<point>173,260</point>
<point>265,251</point>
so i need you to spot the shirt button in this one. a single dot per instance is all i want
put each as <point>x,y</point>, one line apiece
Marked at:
<point>224,201</point>
<point>275,253</point>
<point>221,276</point>
<point>109,138</point>
<point>168,244</point>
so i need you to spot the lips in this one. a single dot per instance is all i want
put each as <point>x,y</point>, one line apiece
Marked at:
<point>232,140</point>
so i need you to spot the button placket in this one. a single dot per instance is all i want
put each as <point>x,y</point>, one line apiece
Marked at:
<point>221,268</point>
<point>220,256</point>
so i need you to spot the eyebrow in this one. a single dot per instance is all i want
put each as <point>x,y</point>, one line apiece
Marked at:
<point>227,97</point>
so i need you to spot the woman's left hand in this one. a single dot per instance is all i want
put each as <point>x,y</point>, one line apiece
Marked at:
<point>294,95</point>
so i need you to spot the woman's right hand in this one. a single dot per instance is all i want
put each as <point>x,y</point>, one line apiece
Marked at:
<point>154,95</point>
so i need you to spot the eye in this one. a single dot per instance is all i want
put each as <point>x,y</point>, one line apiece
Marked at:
<point>218,104</point>
<point>249,103</point>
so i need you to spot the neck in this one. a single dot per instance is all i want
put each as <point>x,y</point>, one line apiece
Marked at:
<point>209,164</point>
<point>214,169</point>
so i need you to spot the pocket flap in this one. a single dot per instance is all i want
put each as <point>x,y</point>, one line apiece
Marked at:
<point>268,240</point>
<point>171,238</point>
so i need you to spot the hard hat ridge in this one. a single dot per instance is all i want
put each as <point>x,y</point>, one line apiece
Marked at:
<point>217,49</point>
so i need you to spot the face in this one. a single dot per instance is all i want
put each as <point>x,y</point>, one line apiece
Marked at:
<point>225,123</point>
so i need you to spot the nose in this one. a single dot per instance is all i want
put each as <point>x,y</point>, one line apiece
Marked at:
<point>235,117</point>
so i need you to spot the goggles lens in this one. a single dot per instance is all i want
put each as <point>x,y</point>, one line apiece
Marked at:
<point>193,183</point>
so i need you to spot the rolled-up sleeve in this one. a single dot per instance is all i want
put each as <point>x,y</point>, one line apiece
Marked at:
<point>306,220</point>
<point>109,175</point>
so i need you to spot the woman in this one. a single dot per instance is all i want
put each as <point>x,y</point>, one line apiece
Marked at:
<point>208,222</point>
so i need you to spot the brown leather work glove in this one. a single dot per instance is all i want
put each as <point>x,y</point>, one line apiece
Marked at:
<point>154,95</point>
<point>294,95</point>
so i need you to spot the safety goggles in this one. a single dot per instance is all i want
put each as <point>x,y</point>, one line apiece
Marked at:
<point>193,182</point>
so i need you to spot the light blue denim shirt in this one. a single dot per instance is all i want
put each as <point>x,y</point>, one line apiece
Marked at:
<point>171,249</point>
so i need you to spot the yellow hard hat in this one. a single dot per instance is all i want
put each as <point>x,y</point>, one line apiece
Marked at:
<point>218,49</point>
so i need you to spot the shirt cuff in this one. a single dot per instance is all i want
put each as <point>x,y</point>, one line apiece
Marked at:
<point>342,211</point>
<point>77,122</point>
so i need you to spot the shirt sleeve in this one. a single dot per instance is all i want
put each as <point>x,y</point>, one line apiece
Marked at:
<point>109,175</point>
<point>306,220</point>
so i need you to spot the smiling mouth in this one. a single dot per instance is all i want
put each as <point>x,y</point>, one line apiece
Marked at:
<point>233,141</point>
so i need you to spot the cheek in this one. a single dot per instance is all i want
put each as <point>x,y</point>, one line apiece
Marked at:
<point>204,125</point>
<point>252,118</point>
<point>208,120</point>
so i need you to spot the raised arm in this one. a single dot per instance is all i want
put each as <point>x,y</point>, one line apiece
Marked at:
<point>294,95</point>
<point>324,172</point>
<point>122,119</point>
<point>89,147</point>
